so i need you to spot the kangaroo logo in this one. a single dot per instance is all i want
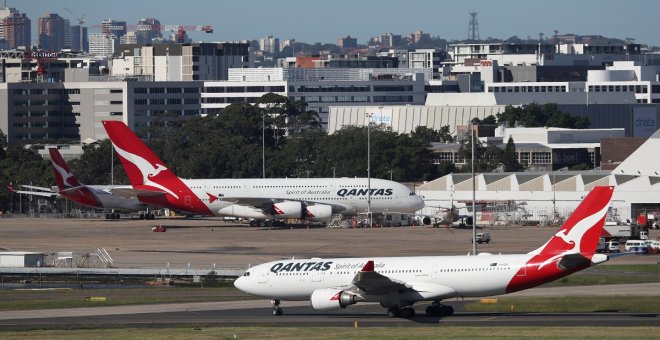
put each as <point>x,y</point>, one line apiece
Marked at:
<point>65,175</point>
<point>574,235</point>
<point>147,169</point>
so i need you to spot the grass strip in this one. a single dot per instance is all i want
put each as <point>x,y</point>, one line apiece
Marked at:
<point>569,304</point>
<point>417,332</point>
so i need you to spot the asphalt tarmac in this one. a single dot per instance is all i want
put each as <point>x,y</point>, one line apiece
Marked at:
<point>300,314</point>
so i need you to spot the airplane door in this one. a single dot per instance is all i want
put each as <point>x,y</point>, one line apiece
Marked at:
<point>522,271</point>
<point>434,271</point>
<point>316,276</point>
<point>187,200</point>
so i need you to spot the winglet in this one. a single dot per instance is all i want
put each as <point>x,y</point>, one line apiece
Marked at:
<point>368,267</point>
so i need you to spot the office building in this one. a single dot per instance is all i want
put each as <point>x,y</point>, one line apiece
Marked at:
<point>51,32</point>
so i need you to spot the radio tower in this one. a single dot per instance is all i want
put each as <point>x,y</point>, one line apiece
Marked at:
<point>473,27</point>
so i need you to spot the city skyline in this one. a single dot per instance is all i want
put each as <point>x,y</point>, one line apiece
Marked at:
<point>306,21</point>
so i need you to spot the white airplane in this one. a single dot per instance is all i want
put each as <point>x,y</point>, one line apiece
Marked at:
<point>313,199</point>
<point>94,196</point>
<point>399,282</point>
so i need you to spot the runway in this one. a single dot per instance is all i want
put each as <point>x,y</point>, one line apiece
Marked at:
<point>299,314</point>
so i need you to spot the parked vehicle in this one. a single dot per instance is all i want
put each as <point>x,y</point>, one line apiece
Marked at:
<point>613,247</point>
<point>483,237</point>
<point>637,246</point>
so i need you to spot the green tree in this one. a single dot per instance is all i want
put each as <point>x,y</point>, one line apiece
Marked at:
<point>3,145</point>
<point>94,165</point>
<point>429,135</point>
<point>510,157</point>
<point>534,115</point>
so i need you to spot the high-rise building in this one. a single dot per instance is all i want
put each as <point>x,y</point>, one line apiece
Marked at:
<point>269,44</point>
<point>79,38</point>
<point>147,30</point>
<point>51,31</point>
<point>15,28</point>
<point>102,44</point>
<point>347,42</point>
<point>114,28</point>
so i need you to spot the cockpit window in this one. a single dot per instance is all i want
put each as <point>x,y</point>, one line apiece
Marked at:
<point>246,274</point>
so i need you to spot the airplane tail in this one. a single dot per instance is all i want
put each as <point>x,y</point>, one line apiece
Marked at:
<point>142,166</point>
<point>63,176</point>
<point>570,249</point>
<point>581,231</point>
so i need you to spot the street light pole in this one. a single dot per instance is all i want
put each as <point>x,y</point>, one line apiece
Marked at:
<point>263,144</point>
<point>474,198</point>
<point>369,169</point>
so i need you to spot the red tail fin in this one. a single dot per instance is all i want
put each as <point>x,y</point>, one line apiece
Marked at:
<point>580,232</point>
<point>63,176</point>
<point>572,248</point>
<point>146,171</point>
<point>142,166</point>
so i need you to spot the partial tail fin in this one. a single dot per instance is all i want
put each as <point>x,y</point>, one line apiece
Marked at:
<point>63,176</point>
<point>142,166</point>
<point>580,233</point>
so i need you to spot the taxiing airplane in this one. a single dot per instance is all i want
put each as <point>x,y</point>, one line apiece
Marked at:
<point>312,199</point>
<point>399,282</point>
<point>94,196</point>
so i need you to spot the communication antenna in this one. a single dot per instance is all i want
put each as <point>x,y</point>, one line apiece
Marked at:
<point>473,27</point>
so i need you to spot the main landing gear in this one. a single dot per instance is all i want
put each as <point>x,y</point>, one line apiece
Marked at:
<point>112,216</point>
<point>401,312</point>
<point>438,309</point>
<point>277,311</point>
<point>267,223</point>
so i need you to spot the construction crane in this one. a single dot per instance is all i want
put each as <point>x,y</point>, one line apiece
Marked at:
<point>81,19</point>
<point>179,29</point>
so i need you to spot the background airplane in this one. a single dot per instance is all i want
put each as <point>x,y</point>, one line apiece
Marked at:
<point>93,196</point>
<point>397,283</point>
<point>313,199</point>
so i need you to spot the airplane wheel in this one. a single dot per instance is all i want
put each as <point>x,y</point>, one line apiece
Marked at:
<point>407,312</point>
<point>277,311</point>
<point>432,311</point>
<point>394,312</point>
<point>253,223</point>
<point>152,216</point>
<point>447,310</point>
<point>142,216</point>
<point>107,216</point>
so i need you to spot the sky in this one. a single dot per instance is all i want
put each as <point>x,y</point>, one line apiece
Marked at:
<point>313,21</point>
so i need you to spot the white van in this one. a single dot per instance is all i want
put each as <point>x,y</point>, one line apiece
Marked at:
<point>613,246</point>
<point>638,246</point>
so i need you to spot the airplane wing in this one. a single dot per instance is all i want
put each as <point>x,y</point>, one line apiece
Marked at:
<point>32,187</point>
<point>49,194</point>
<point>266,203</point>
<point>370,282</point>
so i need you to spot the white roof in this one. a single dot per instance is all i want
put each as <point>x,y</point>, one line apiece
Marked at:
<point>644,161</point>
<point>19,253</point>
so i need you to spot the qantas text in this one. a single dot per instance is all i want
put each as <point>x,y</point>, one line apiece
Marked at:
<point>300,266</point>
<point>364,192</point>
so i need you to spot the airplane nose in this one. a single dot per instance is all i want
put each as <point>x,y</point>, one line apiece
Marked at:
<point>418,203</point>
<point>240,283</point>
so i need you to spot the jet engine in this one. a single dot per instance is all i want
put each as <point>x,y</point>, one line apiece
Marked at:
<point>318,212</point>
<point>332,299</point>
<point>288,209</point>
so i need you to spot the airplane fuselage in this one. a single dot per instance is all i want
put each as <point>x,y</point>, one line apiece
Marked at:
<point>253,198</point>
<point>429,277</point>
